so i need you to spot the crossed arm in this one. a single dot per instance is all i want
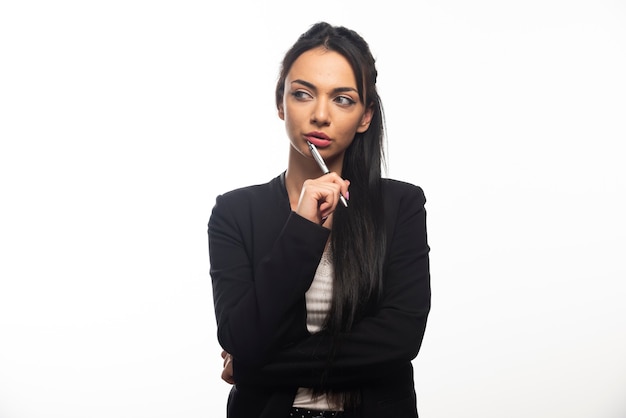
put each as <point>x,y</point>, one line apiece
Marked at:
<point>261,312</point>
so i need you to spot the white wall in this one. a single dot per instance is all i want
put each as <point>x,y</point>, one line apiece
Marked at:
<point>121,121</point>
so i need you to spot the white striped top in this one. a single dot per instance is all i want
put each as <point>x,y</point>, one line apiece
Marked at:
<point>318,299</point>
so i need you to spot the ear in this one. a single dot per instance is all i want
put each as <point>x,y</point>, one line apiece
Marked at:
<point>281,112</point>
<point>366,119</point>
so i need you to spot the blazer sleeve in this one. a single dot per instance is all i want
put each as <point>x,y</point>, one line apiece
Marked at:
<point>259,301</point>
<point>380,343</point>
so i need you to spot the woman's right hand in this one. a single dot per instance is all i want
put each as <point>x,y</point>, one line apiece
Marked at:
<point>319,197</point>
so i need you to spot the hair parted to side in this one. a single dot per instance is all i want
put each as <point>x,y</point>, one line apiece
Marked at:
<point>358,234</point>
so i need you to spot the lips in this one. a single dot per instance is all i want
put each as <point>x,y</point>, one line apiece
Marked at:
<point>319,139</point>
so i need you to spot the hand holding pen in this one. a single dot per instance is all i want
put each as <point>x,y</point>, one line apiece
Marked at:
<point>320,161</point>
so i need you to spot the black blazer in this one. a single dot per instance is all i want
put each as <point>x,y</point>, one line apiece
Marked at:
<point>263,258</point>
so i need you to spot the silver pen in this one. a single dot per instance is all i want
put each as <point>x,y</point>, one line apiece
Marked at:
<point>322,164</point>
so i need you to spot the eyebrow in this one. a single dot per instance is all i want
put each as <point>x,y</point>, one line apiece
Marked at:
<point>335,90</point>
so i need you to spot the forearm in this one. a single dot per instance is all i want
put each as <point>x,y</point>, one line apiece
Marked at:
<point>370,351</point>
<point>261,306</point>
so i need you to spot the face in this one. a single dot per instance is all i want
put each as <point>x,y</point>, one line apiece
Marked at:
<point>321,104</point>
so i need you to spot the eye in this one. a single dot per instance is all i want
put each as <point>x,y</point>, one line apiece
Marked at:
<point>344,101</point>
<point>301,95</point>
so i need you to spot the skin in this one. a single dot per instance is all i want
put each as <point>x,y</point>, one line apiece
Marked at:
<point>227,373</point>
<point>320,96</point>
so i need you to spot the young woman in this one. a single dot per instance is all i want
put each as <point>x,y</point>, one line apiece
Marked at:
<point>321,306</point>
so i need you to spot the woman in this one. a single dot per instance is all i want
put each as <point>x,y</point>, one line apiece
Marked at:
<point>321,307</point>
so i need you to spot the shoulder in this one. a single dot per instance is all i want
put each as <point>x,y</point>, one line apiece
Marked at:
<point>405,215</point>
<point>256,193</point>
<point>252,203</point>
<point>401,191</point>
<point>242,193</point>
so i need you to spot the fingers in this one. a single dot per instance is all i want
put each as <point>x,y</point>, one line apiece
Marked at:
<point>336,180</point>
<point>227,375</point>
<point>319,197</point>
<point>227,372</point>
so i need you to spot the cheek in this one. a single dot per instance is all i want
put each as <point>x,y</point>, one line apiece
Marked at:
<point>287,117</point>
<point>291,123</point>
<point>292,115</point>
<point>349,128</point>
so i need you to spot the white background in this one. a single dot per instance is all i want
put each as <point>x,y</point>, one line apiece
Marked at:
<point>121,121</point>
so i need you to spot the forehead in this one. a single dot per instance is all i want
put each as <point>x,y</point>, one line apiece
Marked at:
<point>322,67</point>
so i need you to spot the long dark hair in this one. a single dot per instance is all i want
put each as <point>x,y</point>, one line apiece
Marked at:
<point>358,232</point>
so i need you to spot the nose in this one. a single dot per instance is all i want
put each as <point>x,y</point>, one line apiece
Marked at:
<point>320,115</point>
